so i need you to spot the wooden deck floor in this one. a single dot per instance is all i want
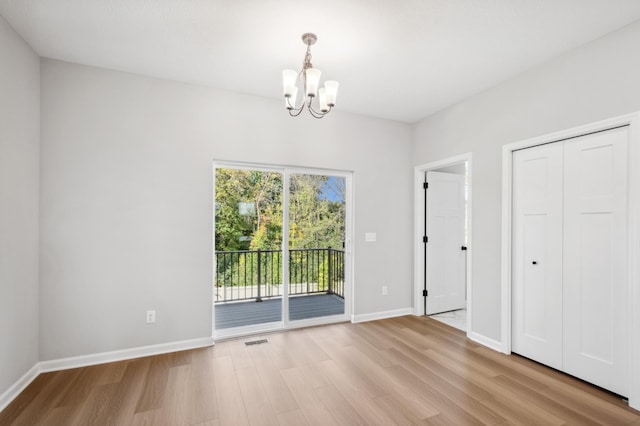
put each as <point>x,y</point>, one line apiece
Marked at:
<point>239,314</point>
<point>407,370</point>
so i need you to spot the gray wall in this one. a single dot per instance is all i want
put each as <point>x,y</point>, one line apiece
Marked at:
<point>595,82</point>
<point>126,198</point>
<point>19,157</point>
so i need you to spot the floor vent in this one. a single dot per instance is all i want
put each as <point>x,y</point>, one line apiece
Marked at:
<point>256,342</point>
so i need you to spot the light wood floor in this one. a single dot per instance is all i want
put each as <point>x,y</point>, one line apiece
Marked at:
<point>408,370</point>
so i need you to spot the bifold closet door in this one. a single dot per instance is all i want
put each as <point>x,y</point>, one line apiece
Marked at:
<point>537,254</point>
<point>569,259</point>
<point>595,287</point>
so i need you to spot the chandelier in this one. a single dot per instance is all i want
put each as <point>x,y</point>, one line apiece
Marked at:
<point>310,79</point>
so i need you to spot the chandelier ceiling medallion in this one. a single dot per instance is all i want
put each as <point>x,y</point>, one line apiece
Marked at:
<point>310,81</point>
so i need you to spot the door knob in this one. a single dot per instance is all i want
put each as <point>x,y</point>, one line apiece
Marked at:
<point>534,262</point>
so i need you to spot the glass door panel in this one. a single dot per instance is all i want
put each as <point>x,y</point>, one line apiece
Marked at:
<point>248,285</point>
<point>317,211</point>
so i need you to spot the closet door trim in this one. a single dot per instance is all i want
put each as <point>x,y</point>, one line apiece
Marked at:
<point>633,270</point>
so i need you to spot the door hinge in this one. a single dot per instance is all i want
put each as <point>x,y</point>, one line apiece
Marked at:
<point>463,248</point>
<point>425,239</point>
<point>425,185</point>
<point>424,293</point>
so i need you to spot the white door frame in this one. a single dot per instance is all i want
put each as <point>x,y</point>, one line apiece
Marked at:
<point>285,323</point>
<point>633,323</point>
<point>418,229</point>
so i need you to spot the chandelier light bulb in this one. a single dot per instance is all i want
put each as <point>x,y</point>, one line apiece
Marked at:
<point>322,100</point>
<point>332,92</point>
<point>313,81</point>
<point>289,78</point>
<point>290,101</point>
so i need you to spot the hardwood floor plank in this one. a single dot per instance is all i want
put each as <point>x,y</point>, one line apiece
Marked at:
<point>366,407</point>
<point>272,382</point>
<point>123,404</point>
<point>48,397</point>
<point>569,391</point>
<point>397,409</point>
<point>315,412</point>
<point>147,418</point>
<point>25,399</point>
<point>537,399</point>
<point>209,423</point>
<point>292,418</point>
<point>57,416</point>
<point>201,389</point>
<point>340,409</point>
<point>175,410</point>
<point>230,403</point>
<point>155,383</point>
<point>363,380</point>
<point>460,408</point>
<point>411,402</point>
<point>256,402</point>
<point>96,407</point>
<point>406,370</point>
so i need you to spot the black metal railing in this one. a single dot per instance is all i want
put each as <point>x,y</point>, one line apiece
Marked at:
<point>257,274</point>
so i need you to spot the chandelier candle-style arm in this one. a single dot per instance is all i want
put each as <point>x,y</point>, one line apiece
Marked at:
<point>309,78</point>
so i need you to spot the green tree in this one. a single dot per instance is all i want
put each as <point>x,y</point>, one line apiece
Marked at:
<point>248,210</point>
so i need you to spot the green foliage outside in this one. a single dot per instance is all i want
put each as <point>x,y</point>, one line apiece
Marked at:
<point>249,217</point>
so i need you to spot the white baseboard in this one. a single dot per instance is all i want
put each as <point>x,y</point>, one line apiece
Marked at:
<point>121,355</point>
<point>485,341</point>
<point>15,389</point>
<point>94,359</point>
<point>381,315</point>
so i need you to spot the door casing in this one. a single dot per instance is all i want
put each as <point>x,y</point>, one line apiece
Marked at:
<point>419,215</point>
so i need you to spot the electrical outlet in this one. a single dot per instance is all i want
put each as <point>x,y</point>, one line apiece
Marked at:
<point>151,317</point>
<point>385,290</point>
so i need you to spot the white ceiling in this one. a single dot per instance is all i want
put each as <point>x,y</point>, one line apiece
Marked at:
<point>394,59</point>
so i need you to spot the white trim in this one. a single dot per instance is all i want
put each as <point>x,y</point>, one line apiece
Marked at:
<point>312,322</point>
<point>124,354</point>
<point>15,389</point>
<point>505,270</point>
<point>381,315</point>
<point>634,263</point>
<point>633,121</point>
<point>418,259</point>
<point>286,254</point>
<point>248,330</point>
<point>485,341</point>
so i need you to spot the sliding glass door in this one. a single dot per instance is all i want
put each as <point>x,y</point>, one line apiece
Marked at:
<point>317,213</point>
<point>280,257</point>
<point>248,247</point>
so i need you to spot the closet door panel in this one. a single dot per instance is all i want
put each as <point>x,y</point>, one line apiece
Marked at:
<point>595,259</point>
<point>537,256</point>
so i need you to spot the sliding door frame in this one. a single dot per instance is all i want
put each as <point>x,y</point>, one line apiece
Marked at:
<point>285,323</point>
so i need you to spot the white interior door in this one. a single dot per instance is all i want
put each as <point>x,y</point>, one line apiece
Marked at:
<point>537,254</point>
<point>595,259</point>
<point>445,230</point>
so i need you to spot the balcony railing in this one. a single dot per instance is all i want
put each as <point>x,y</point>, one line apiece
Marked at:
<point>257,274</point>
